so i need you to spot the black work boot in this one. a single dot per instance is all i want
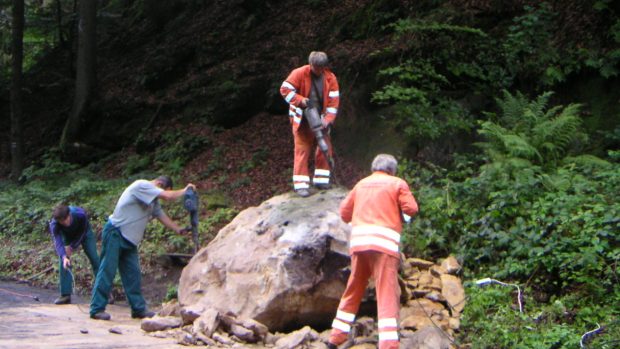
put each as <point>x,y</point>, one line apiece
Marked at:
<point>102,315</point>
<point>304,193</point>
<point>63,300</point>
<point>323,186</point>
<point>143,314</point>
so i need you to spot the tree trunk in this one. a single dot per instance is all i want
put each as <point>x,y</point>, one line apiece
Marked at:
<point>61,38</point>
<point>85,79</point>
<point>17,157</point>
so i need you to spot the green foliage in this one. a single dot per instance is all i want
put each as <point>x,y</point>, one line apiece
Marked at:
<point>49,165</point>
<point>171,292</point>
<point>545,220</point>
<point>174,150</point>
<point>492,320</point>
<point>529,134</point>
<point>40,32</point>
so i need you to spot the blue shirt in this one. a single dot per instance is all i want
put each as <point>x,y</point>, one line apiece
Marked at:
<point>75,232</point>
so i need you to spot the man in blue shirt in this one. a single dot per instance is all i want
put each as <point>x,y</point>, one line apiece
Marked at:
<point>70,228</point>
<point>121,236</point>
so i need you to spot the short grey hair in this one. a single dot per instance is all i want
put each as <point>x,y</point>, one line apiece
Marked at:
<point>384,162</point>
<point>318,59</point>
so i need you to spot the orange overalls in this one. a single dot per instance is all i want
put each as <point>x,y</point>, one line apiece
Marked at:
<point>374,209</point>
<point>297,86</point>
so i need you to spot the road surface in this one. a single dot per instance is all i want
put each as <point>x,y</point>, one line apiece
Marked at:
<point>27,323</point>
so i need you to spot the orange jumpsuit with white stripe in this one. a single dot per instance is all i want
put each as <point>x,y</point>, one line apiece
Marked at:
<point>294,89</point>
<point>374,208</point>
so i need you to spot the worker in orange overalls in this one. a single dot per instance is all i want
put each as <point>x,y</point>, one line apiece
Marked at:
<point>375,208</point>
<point>313,84</point>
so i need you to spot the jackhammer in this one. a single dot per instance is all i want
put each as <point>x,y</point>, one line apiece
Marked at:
<point>314,120</point>
<point>191,203</point>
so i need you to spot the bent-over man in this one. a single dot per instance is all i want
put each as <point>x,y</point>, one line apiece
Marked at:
<point>121,236</point>
<point>70,229</point>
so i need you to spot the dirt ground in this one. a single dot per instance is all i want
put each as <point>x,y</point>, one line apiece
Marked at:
<point>28,323</point>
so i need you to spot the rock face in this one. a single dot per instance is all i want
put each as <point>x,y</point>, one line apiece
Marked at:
<point>283,263</point>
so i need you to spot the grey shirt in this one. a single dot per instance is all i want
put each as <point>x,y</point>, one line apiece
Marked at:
<point>316,91</point>
<point>136,207</point>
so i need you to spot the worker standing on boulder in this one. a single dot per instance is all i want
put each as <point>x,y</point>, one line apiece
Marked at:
<point>121,236</point>
<point>71,229</point>
<point>311,85</point>
<point>375,208</point>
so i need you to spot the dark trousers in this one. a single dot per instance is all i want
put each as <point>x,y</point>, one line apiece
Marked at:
<point>89,244</point>
<point>117,253</point>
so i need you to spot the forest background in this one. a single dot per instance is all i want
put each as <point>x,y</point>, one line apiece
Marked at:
<point>505,116</point>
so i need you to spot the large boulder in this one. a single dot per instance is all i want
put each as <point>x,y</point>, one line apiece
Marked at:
<point>284,263</point>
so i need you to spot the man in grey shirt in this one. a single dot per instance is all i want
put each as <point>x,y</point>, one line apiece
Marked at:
<point>121,236</point>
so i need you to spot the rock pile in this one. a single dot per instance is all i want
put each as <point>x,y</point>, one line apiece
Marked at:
<point>432,301</point>
<point>284,265</point>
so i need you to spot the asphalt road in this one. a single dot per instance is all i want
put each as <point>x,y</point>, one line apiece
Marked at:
<point>28,323</point>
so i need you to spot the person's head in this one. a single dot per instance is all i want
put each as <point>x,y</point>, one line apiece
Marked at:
<point>318,62</point>
<point>385,163</point>
<point>62,215</point>
<point>163,182</point>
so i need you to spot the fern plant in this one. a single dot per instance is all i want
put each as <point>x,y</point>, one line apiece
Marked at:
<point>530,134</point>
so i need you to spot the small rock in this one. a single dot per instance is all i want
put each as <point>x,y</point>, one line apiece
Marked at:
<point>115,330</point>
<point>454,323</point>
<point>258,328</point>
<point>172,308</point>
<point>365,340</point>
<point>438,270</point>
<point>435,297</point>
<point>363,327</point>
<point>426,280</point>
<point>223,338</point>
<point>454,293</point>
<point>271,339</point>
<point>416,321</point>
<point>84,331</point>
<point>419,293</point>
<point>243,333</point>
<point>317,345</point>
<point>426,338</point>
<point>207,322</point>
<point>451,265</point>
<point>297,338</point>
<point>191,313</point>
<point>159,323</point>
<point>436,284</point>
<point>420,263</point>
<point>186,339</point>
<point>206,340</point>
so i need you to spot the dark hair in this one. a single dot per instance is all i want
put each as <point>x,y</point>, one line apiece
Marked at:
<point>60,212</point>
<point>166,181</point>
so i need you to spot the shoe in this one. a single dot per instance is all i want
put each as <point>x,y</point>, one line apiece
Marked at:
<point>304,193</point>
<point>102,315</point>
<point>143,314</point>
<point>63,300</point>
<point>323,186</point>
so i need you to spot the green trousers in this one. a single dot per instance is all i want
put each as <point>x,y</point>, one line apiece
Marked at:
<point>89,244</point>
<point>117,253</point>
